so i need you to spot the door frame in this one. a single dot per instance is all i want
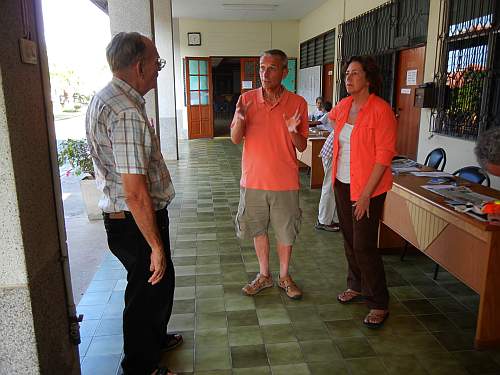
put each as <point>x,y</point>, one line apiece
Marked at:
<point>190,107</point>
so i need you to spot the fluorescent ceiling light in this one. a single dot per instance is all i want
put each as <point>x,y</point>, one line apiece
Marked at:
<point>258,7</point>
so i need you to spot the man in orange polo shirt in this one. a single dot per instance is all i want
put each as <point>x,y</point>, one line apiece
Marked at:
<point>273,122</point>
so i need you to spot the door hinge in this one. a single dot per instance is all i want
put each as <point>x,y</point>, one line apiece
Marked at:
<point>74,329</point>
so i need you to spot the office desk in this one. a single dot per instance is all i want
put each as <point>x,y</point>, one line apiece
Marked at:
<point>467,248</point>
<point>310,157</point>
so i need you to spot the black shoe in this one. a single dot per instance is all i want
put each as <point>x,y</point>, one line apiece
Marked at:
<point>334,227</point>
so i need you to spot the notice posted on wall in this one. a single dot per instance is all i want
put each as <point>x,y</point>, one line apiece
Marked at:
<point>246,85</point>
<point>411,77</point>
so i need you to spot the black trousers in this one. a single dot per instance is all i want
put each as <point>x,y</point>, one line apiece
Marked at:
<point>366,272</point>
<point>147,307</point>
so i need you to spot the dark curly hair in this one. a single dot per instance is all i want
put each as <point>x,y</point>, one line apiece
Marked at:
<point>371,69</point>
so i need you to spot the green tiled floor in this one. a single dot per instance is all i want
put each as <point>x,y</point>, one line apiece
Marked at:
<point>430,330</point>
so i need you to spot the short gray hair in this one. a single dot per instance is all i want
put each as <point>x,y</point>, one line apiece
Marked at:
<point>124,50</point>
<point>277,53</point>
<point>488,147</point>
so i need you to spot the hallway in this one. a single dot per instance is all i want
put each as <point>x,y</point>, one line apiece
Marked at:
<point>430,330</point>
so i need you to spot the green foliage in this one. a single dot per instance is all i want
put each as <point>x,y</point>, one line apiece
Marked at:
<point>77,154</point>
<point>467,97</point>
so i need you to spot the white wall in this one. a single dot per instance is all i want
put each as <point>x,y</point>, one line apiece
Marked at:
<point>459,152</point>
<point>12,268</point>
<point>235,38</point>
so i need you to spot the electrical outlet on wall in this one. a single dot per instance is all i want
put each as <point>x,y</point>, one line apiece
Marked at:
<point>28,51</point>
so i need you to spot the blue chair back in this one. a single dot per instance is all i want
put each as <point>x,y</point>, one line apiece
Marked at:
<point>473,174</point>
<point>434,159</point>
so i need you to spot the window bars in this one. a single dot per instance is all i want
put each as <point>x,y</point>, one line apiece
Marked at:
<point>379,33</point>
<point>318,51</point>
<point>467,75</point>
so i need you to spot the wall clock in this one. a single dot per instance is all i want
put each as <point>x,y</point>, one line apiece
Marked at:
<point>194,39</point>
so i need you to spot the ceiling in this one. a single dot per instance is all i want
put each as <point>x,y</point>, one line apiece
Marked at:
<point>243,10</point>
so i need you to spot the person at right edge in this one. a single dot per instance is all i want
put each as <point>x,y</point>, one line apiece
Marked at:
<point>364,145</point>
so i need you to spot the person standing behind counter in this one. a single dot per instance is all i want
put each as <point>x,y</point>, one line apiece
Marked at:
<point>364,145</point>
<point>319,112</point>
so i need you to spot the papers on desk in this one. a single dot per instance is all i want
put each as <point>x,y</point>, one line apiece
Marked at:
<point>405,169</point>
<point>462,199</point>
<point>431,174</point>
<point>459,194</point>
<point>404,166</point>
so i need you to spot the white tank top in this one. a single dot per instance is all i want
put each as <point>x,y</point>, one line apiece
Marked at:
<point>344,158</point>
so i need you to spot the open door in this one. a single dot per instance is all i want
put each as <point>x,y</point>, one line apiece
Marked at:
<point>410,75</point>
<point>199,97</point>
<point>250,78</point>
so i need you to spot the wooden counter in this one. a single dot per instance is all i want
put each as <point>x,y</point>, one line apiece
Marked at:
<point>310,158</point>
<point>468,248</point>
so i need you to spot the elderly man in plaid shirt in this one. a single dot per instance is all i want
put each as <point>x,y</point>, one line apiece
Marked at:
<point>327,215</point>
<point>136,186</point>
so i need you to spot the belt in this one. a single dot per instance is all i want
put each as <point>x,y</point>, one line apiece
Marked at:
<point>126,214</point>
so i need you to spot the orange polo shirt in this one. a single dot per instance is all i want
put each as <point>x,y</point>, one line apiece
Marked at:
<point>373,140</point>
<point>269,160</point>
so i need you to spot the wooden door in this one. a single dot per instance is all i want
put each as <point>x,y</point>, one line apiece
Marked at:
<point>250,78</point>
<point>199,97</point>
<point>327,89</point>
<point>410,74</point>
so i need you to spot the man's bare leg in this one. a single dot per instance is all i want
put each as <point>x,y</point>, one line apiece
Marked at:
<point>263,279</point>
<point>285,282</point>
<point>261,244</point>
<point>284,254</point>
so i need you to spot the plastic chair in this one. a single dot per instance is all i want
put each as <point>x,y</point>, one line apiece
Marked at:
<point>473,174</point>
<point>434,159</point>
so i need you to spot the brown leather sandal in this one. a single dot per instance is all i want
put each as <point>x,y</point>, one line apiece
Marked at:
<point>350,296</point>
<point>376,318</point>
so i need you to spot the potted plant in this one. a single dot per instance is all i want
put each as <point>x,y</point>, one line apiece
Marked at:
<point>76,153</point>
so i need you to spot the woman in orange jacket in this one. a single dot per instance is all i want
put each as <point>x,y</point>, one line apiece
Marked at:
<point>364,144</point>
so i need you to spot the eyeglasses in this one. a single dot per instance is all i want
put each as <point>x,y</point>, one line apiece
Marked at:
<point>161,63</point>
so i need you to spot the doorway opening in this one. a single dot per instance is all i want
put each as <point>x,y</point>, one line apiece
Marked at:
<point>226,72</point>
<point>77,69</point>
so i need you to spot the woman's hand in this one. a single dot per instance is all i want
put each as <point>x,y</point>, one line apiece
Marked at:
<point>362,205</point>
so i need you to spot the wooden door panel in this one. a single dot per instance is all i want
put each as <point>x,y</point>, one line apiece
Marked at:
<point>199,97</point>
<point>205,113</point>
<point>249,73</point>
<point>410,75</point>
<point>327,90</point>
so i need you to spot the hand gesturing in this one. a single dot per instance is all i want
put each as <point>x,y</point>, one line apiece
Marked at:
<point>292,122</point>
<point>241,111</point>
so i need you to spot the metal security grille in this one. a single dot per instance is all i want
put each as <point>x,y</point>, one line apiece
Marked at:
<point>318,51</point>
<point>413,18</point>
<point>467,77</point>
<point>379,33</point>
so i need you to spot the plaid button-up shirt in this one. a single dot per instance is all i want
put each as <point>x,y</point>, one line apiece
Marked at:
<point>121,140</point>
<point>327,149</point>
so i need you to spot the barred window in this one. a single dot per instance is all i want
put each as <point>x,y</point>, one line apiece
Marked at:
<point>318,51</point>
<point>379,33</point>
<point>466,76</point>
